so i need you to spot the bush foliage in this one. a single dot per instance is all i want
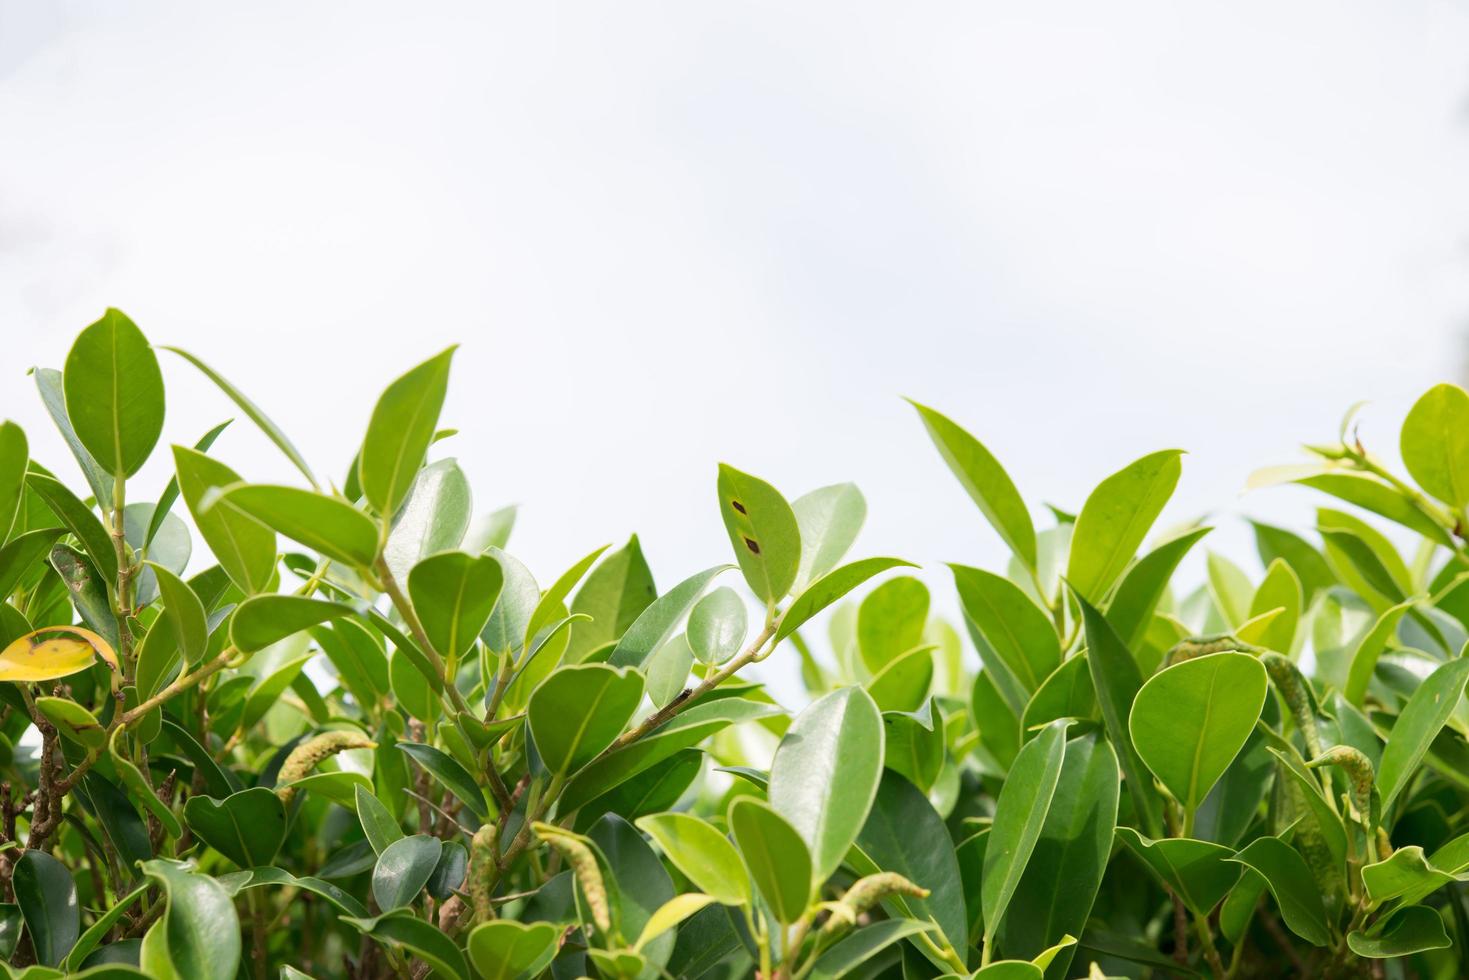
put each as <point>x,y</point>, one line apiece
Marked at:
<point>308,730</point>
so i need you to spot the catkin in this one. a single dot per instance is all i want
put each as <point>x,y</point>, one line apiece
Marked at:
<point>310,753</point>
<point>584,865</point>
<point>867,892</point>
<point>1295,689</point>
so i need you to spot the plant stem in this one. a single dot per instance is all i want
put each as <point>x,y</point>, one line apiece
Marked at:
<point>415,627</point>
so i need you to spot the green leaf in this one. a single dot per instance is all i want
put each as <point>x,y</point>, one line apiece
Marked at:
<point>504,949</point>
<point>1017,629</point>
<point>596,699</point>
<point>1373,495</point>
<point>327,525</point>
<point>80,521</point>
<point>1290,881</point>
<point>73,721</point>
<point>163,510</point>
<point>1144,585</point>
<point>1116,678</point>
<point>776,854</point>
<point>183,614</point>
<point>667,670</point>
<point>252,412</point>
<point>1020,813</point>
<point>454,777</point>
<point>434,518</point>
<point>265,619</point>
<point>1280,589</point>
<point>48,902</point>
<point>825,774</point>
<point>14,456</point>
<point>49,385</point>
<point>829,519</point>
<point>261,877</point>
<point>1115,519</point>
<point>21,553</point>
<point>641,882</point>
<point>244,547</point>
<point>402,869</point>
<point>1368,649</point>
<point>658,622</point>
<point>1055,896</point>
<point>844,958</point>
<point>400,432</point>
<point>890,621</point>
<point>200,930</point>
<point>915,744</point>
<point>614,594</point>
<point>1067,693</point>
<point>1407,874</point>
<point>1199,872</point>
<point>246,827</point>
<point>1435,443</point>
<point>114,393</point>
<point>1421,719</point>
<point>904,833</point>
<point>904,682</point>
<point>378,822</point>
<point>1190,721</point>
<point>1414,929</point>
<point>686,729</point>
<point>702,853</point>
<point>763,532</point>
<point>1310,567</point>
<point>829,588</point>
<point>99,929</point>
<point>401,929</point>
<point>717,626</point>
<point>454,594</point>
<point>986,482</point>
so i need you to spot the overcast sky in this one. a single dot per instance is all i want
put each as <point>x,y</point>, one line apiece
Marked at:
<point>669,234</point>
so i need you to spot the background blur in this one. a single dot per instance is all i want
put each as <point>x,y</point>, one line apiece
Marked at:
<point>670,234</point>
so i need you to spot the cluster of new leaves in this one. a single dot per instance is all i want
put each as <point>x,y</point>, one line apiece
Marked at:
<point>310,730</point>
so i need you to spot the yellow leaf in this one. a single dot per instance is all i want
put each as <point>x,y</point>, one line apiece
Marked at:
<point>41,655</point>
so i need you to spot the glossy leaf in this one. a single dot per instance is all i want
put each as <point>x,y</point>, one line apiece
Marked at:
<point>1416,727</point>
<point>763,532</point>
<point>1435,443</point>
<point>1199,872</point>
<point>600,697</point>
<point>450,774</point>
<point>986,482</point>
<point>1115,519</point>
<point>1016,628</point>
<point>454,594</point>
<point>777,857</point>
<point>48,902</point>
<point>1190,721</point>
<point>829,588</point>
<point>400,431</point>
<point>504,949</point>
<point>114,393</point>
<point>400,929</point>
<point>1020,815</point>
<point>262,620</point>
<point>1144,585</point>
<point>702,853</point>
<point>1414,929</point>
<point>1056,893</point>
<point>252,412</point>
<point>1290,881</point>
<point>244,547</point>
<point>378,822</point>
<point>717,626</point>
<point>890,621</point>
<point>402,869</point>
<point>825,774</point>
<point>829,519</point>
<point>614,594</point>
<point>200,931</point>
<point>660,620</point>
<point>327,525</point>
<point>246,827</point>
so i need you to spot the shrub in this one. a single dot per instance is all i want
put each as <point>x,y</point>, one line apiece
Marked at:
<point>322,732</point>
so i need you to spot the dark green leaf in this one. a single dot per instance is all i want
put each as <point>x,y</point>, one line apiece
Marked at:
<point>114,393</point>
<point>48,902</point>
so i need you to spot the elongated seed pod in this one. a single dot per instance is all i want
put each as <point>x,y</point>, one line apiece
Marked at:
<point>482,860</point>
<point>584,865</point>
<point>1359,775</point>
<point>1296,691</point>
<point>310,753</point>
<point>867,892</point>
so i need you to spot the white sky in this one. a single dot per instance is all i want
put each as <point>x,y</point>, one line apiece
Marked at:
<point>677,233</point>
